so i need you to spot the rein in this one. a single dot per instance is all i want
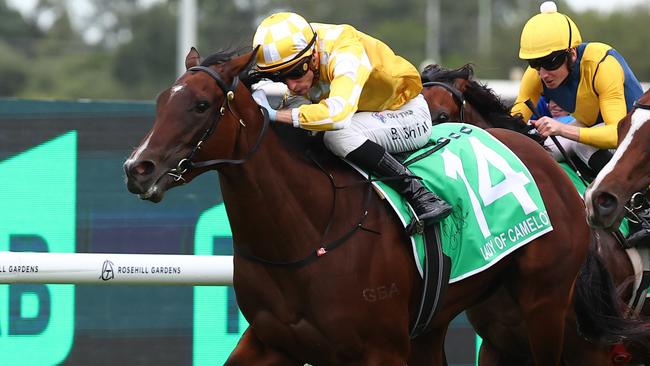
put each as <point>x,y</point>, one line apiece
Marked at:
<point>458,96</point>
<point>641,105</point>
<point>636,203</point>
<point>229,92</point>
<point>565,155</point>
<point>326,247</point>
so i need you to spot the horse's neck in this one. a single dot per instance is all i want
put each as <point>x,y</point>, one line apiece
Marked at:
<point>276,201</point>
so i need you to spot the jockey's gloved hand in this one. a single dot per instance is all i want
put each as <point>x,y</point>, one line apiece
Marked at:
<point>260,98</point>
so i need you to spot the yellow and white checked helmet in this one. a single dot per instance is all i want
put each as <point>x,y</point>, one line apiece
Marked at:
<point>284,39</point>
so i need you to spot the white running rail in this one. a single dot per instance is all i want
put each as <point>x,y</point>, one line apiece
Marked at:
<point>115,269</point>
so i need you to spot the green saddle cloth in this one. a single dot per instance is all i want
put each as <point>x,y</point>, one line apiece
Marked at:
<point>497,207</point>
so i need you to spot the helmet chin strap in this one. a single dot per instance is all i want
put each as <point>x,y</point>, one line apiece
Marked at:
<point>314,66</point>
<point>570,63</point>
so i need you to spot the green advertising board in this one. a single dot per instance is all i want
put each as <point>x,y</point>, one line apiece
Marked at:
<point>38,214</point>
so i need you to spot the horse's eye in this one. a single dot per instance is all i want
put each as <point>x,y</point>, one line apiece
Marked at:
<point>443,117</point>
<point>201,106</point>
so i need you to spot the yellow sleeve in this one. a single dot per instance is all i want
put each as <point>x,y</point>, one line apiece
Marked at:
<point>530,88</point>
<point>349,70</point>
<point>609,84</point>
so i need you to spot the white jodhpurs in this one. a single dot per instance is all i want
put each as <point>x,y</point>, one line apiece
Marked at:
<point>407,128</point>
<point>582,151</point>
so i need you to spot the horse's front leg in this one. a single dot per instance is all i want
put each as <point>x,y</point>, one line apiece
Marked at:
<point>545,297</point>
<point>251,351</point>
<point>428,349</point>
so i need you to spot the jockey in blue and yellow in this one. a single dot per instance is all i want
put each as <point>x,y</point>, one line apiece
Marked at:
<point>590,80</point>
<point>365,98</point>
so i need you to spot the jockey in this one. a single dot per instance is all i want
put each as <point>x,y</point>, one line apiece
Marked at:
<point>365,98</point>
<point>589,80</point>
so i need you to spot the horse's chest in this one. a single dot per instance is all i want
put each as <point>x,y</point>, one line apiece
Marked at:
<point>303,322</point>
<point>304,337</point>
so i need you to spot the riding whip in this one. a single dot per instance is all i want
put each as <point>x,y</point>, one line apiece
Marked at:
<point>559,146</point>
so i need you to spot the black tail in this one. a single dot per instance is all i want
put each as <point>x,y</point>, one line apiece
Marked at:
<point>599,309</point>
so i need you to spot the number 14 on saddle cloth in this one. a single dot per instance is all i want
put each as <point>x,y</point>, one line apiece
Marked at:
<point>497,206</point>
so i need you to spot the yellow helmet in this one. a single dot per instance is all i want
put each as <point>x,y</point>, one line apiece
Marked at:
<point>548,32</point>
<point>284,39</point>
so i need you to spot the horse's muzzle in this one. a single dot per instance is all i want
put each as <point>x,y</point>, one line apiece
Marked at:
<point>604,210</point>
<point>142,179</point>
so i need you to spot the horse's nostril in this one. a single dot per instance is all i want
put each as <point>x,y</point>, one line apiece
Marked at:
<point>141,168</point>
<point>606,202</point>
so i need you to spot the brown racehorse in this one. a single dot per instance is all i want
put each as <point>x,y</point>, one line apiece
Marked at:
<point>291,203</point>
<point>628,171</point>
<point>626,174</point>
<point>452,95</point>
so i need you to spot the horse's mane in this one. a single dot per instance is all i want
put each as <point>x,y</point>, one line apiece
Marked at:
<point>436,72</point>
<point>248,76</point>
<point>479,95</point>
<point>220,57</point>
<point>298,139</point>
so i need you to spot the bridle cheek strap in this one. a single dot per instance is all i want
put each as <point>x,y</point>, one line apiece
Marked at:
<point>186,163</point>
<point>458,96</point>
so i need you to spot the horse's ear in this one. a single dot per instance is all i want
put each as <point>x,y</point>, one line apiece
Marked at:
<point>430,73</point>
<point>252,59</point>
<point>248,74</point>
<point>192,59</point>
<point>460,84</point>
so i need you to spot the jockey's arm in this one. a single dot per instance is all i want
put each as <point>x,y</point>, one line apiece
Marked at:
<point>530,88</point>
<point>284,116</point>
<point>289,102</point>
<point>568,131</point>
<point>548,126</point>
<point>609,83</point>
<point>349,68</point>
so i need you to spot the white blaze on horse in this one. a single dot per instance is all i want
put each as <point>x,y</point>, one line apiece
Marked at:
<point>627,173</point>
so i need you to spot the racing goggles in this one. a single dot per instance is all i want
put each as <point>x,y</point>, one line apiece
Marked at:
<point>295,72</point>
<point>550,62</point>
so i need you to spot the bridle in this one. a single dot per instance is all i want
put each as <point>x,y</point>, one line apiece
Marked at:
<point>458,96</point>
<point>185,164</point>
<point>638,199</point>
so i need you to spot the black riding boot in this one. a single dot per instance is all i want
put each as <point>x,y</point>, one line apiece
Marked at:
<point>599,159</point>
<point>427,206</point>
<point>640,233</point>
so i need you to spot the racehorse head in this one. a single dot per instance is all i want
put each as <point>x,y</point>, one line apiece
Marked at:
<point>453,95</point>
<point>443,90</point>
<point>203,111</point>
<point>627,172</point>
